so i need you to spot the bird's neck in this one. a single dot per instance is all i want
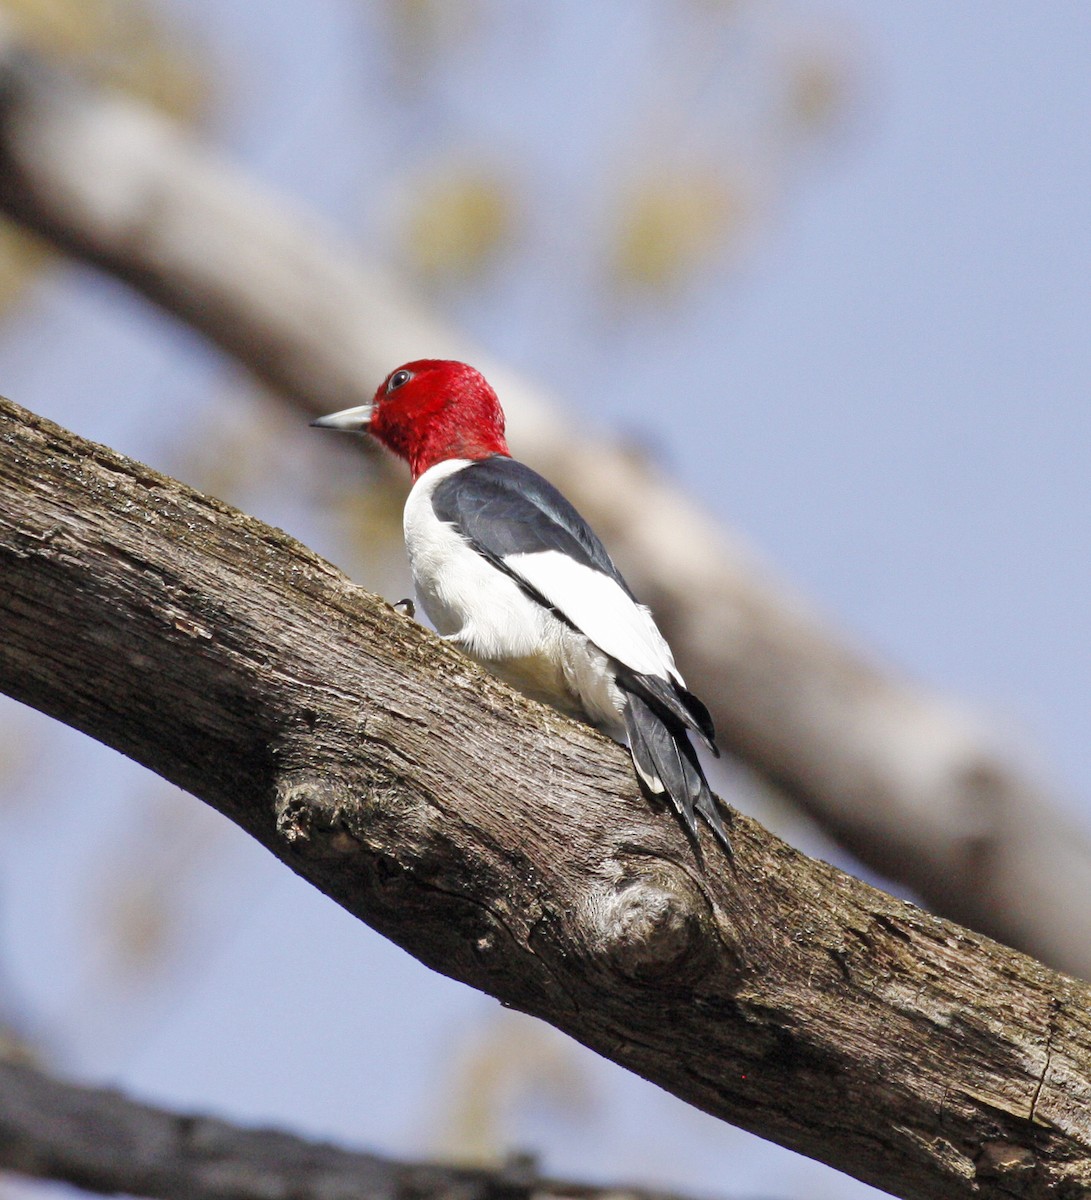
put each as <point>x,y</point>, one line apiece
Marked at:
<point>438,445</point>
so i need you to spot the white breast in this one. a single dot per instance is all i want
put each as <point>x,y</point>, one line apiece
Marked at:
<point>483,610</point>
<point>462,593</point>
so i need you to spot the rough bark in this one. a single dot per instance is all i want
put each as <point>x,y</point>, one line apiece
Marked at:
<point>101,1141</point>
<point>911,784</point>
<point>510,848</point>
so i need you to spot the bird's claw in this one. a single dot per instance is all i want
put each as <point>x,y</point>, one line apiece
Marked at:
<point>406,607</point>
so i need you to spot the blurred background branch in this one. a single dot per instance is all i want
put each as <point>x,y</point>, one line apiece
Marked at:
<point>913,784</point>
<point>99,1140</point>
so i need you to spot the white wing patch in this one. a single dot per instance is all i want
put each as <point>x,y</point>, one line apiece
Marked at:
<point>600,609</point>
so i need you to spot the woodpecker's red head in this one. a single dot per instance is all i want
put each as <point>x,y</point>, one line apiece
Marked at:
<point>429,411</point>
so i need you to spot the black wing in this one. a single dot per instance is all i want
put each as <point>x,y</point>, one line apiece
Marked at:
<point>502,507</point>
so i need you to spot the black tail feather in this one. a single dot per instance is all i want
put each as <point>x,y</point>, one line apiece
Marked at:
<point>663,756</point>
<point>670,697</point>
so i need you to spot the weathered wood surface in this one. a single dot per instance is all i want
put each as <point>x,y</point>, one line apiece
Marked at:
<point>510,848</point>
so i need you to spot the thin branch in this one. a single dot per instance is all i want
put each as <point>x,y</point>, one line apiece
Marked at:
<point>913,785</point>
<point>100,1140</point>
<point>510,848</point>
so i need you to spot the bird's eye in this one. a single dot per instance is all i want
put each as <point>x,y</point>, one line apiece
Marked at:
<point>397,380</point>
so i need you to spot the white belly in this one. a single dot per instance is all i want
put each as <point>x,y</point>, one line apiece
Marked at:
<point>487,614</point>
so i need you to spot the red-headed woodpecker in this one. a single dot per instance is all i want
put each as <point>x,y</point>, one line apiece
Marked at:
<point>509,571</point>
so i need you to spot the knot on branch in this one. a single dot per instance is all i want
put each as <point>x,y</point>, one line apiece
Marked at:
<point>309,816</point>
<point>1006,1162</point>
<point>652,927</point>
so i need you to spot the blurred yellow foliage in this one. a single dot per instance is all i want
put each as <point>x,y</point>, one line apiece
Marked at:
<point>118,42</point>
<point>514,1063</point>
<point>430,26</point>
<point>372,520</point>
<point>458,221</point>
<point>737,87</point>
<point>672,224</point>
<point>235,445</point>
<point>21,257</point>
<point>140,926</point>
<point>817,88</point>
<point>140,918</point>
<point>20,745</point>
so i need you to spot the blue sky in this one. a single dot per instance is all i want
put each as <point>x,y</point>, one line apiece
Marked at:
<point>886,389</point>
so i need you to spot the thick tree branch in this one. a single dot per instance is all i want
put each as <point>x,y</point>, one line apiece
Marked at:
<point>912,785</point>
<point>510,848</point>
<point>101,1141</point>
